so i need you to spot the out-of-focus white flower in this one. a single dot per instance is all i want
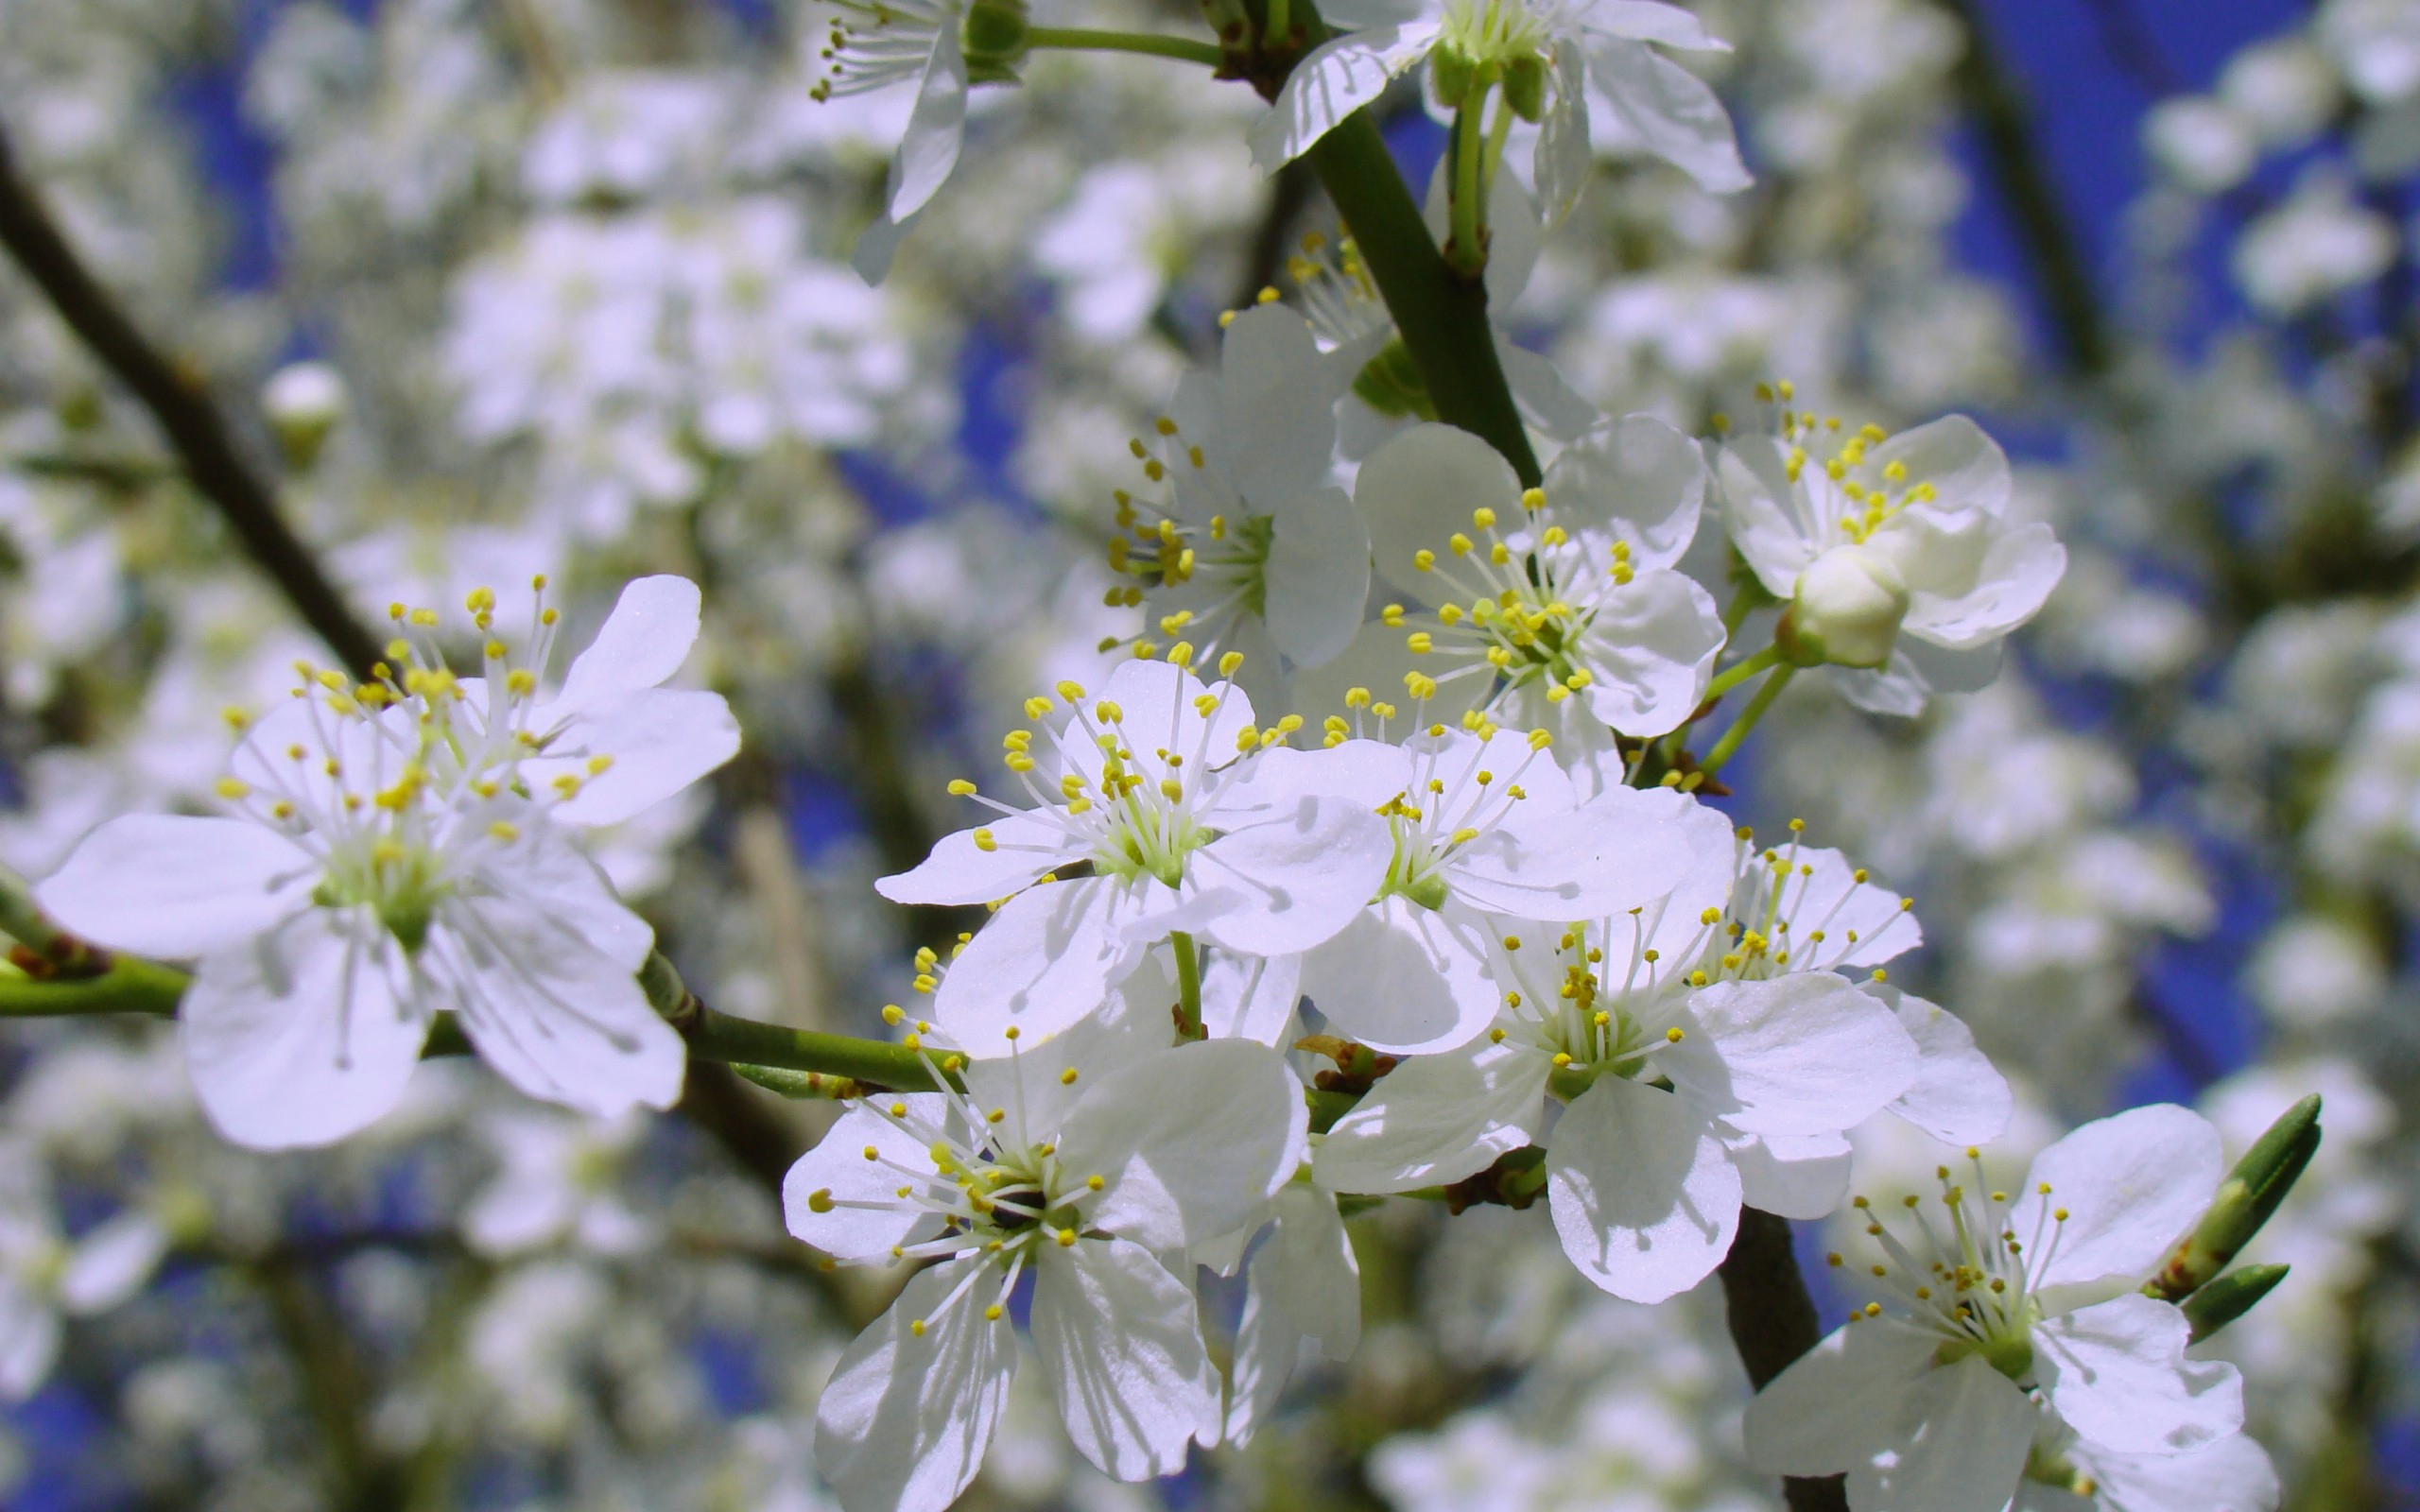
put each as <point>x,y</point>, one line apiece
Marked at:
<point>2313,971</point>
<point>2314,247</point>
<point>2376,44</point>
<point>2201,143</point>
<point>629,133</point>
<point>556,1184</point>
<point>2284,87</point>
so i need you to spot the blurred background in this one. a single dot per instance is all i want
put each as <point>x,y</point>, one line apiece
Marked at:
<point>488,288</point>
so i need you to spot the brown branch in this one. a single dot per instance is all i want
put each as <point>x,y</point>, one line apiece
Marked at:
<point>1996,102</point>
<point>178,399</point>
<point>1773,1323</point>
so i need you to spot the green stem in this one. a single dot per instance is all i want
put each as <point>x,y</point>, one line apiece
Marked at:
<point>1189,987</point>
<point>1466,248</point>
<point>1497,135</point>
<point>1443,318</point>
<point>1743,604</point>
<point>1729,744</point>
<point>1279,23</point>
<point>131,986</point>
<point>1724,681</point>
<point>1087,40</point>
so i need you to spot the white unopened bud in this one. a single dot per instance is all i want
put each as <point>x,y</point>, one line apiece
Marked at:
<point>303,401</point>
<point>1847,608</point>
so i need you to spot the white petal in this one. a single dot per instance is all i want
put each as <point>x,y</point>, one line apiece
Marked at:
<point>1864,923</point>
<point>1436,1119</point>
<point>111,1261</point>
<point>2118,1375</point>
<point>1958,1097</point>
<point>1650,21</point>
<point>1972,586</point>
<point>935,129</point>
<point>1405,979</point>
<point>543,869</point>
<point>903,1423</point>
<point>878,245</point>
<point>299,1036</point>
<point>1248,997</point>
<point>1962,1444</point>
<point>1544,397</point>
<point>554,1016</point>
<point>1316,581</point>
<point>2230,1475</point>
<point>1277,412</point>
<point>1028,1079</point>
<point>659,741</point>
<point>1651,650</point>
<point>1615,853</point>
<point>161,884</point>
<point>1762,512</point>
<point>1337,79</point>
<point>1803,1178</point>
<point>1965,467</point>
<point>867,1216</point>
<point>1303,1290</point>
<point>1562,160</point>
<point>1802,1054</point>
<point>1835,1405</point>
<point>1420,488</point>
<point>1646,1200</point>
<point>30,1337</point>
<point>1122,1346</point>
<point>643,641</point>
<point>1192,1141</point>
<point>1669,111</point>
<point>1636,480</point>
<point>2132,1186</point>
<point>1025,848</point>
<point>1045,960</point>
<point>1297,875</point>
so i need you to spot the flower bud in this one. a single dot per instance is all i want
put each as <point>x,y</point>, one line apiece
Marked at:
<point>1846,610</point>
<point>305,402</point>
<point>2229,1298</point>
<point>2245,1199</point>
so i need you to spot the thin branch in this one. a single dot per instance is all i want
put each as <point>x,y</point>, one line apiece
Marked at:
<point>190,420</point>
<point>1996,103</point>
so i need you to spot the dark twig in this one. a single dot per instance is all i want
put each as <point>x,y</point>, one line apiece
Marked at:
<point>1773,1323</point>
<point>1996,104</point>
<point>178,399</point>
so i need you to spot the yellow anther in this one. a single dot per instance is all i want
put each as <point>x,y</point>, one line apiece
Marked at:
<point>504,831</point>
<point>233,789</point>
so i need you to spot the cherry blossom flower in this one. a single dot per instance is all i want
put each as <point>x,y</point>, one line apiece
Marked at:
<point>393,851</point>
<point>1896,553</point>
<point>1485,829</point>
<point>1704,1051</point>
<point>1154,795</point>
<point>1082,1159</point>
<point>1237,540</point>
<point>1559,605</point>
<point>2000,1313</point>
<point>1605,49</point>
